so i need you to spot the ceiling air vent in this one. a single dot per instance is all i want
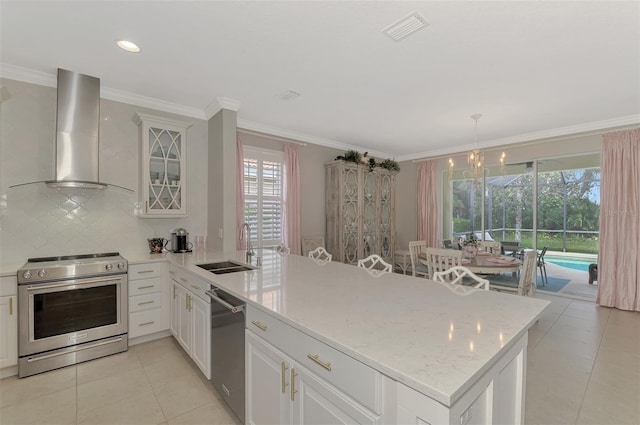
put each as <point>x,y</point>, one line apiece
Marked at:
<point>405,26</point>
<point>288,95</point>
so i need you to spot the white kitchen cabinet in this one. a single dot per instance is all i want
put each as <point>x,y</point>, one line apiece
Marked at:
<point>162,172</point>
<point>282,388</point>
<point>191,317</point>
<point>360,207</point>
<point>148,308</point>
<point>8,322</point>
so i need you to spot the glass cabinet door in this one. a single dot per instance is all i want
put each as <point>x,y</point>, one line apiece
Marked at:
<point>369,224</point>
<point>350,214</point>
<point>386,218</point>
<point>162,179</point>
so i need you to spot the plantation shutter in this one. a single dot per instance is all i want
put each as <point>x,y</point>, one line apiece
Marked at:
<point>263,174</point>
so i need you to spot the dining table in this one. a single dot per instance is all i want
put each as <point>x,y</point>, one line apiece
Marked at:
<point>482,263</point>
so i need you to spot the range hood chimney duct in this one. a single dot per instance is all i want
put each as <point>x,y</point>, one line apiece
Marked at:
<point>77,132</point>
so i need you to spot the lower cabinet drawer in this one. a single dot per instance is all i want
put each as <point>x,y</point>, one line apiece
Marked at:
<point>145,286</point>
<point>145,322</point>
<point>145,302</point>
<point>359,381</point>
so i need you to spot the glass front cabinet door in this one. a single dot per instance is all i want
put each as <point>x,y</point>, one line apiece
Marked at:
<point>162,176</point>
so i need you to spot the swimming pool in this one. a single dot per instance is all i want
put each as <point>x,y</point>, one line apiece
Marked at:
<point>572,263</point>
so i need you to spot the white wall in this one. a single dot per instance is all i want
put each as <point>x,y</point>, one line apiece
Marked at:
<point>37,221</point>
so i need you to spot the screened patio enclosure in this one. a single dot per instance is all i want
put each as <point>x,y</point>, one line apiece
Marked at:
<point>556,204</point>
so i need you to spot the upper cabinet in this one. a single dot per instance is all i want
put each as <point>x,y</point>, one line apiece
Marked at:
<point>360,211</point>
<point>162,178</point>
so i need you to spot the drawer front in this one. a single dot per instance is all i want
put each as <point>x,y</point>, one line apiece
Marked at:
<point>193,284</point>
<point>145,271</point>
<point>145,302</point>
<point>145,286</point>
<point>145,322</point>
<point>8,286</point>
<point>354,378</point>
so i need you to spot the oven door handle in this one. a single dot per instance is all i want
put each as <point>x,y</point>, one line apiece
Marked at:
<point>36,287</point>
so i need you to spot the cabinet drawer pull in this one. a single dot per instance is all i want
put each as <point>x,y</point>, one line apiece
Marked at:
<point>146,323</point>
<point>171,272</point>
<point>174,291</point>
<point>184,280</point>
<point>10,306</point>
<point>284,378</point>
<point>195,286</point>
<point>293,384</point>
<point>146,302</point>
<point>260,325</point>
<point>315,358</point>
<point>145,271</point>
<point>146,287</point>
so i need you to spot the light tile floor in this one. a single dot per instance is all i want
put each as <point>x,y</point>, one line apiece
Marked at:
<point>152,383</point>
<point>583,367</point>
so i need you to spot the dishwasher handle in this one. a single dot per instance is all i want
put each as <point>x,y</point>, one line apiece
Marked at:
<point>216,298</point>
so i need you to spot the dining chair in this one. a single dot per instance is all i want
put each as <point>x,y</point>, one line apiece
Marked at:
<point>509,247</point>
<point>457,274</point>
<point>283,249</point>
<point>439,260</point>
<point>492,247</point>
<point>319,254</point>
<point>375,262</point>
<point>543,266</point>
<point>309,243</point>
<point>525,284</point>
<point>415,248</point>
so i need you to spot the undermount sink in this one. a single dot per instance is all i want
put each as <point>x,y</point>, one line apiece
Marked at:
<point>223,267</point>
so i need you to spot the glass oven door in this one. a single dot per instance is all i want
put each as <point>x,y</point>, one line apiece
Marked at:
<point>62,314</point>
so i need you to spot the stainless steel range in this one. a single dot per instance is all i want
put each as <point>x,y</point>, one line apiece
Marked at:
<point>71,309</point>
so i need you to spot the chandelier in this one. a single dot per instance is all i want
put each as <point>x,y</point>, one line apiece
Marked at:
<point>475,158</point>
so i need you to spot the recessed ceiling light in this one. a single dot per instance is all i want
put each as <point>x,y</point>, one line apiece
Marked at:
<point>128,46</point>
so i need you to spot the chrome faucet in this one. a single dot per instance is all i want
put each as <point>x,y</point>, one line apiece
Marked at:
<point>249,253</point>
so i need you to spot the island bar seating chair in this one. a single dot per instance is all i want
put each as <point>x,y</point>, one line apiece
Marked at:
<point>375,262</point>
<point>542,266</point>
<point>526,284</point>
<point>439,260</point>
<point>458,273</point>
<point>320,254</point>
<point>490,246</point>
<point>309,243</point>
<point>415,248</point>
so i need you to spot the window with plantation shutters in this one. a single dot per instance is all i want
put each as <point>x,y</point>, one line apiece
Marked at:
<point>263,185</point>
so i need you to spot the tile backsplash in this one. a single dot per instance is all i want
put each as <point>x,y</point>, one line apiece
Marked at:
<point>38,221</point>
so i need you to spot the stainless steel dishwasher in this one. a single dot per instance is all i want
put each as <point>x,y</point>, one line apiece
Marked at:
<point>227,348</point>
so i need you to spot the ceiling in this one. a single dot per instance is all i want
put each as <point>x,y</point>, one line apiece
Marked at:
<point>534,69</point>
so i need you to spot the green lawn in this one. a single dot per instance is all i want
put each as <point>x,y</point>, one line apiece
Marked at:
<point>586,245</point>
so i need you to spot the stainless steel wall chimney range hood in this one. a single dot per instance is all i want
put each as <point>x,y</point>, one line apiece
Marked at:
<point>77,132</point>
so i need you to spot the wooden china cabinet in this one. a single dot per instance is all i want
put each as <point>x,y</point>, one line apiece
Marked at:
<point>360,211</point>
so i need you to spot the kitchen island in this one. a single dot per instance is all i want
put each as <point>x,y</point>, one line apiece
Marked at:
<point>440,352</point>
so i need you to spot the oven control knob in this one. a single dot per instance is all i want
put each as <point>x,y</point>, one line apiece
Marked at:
<point>27,274</point>
<point>109,266</point>
<point>42,273</point>
<point>120,266</point>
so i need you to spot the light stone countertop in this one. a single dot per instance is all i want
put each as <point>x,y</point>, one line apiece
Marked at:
<point>435,338</point>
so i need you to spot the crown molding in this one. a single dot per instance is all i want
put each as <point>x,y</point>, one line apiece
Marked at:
<point>27,75</point>
<point>50,80</point>
<point>596,127</point>
<point>300,137</point>
<point>221,103</point>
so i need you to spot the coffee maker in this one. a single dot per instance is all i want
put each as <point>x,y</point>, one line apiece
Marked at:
<point>180,241</point>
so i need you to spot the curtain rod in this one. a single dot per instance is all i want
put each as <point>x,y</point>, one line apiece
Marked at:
<point>269,136</point>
